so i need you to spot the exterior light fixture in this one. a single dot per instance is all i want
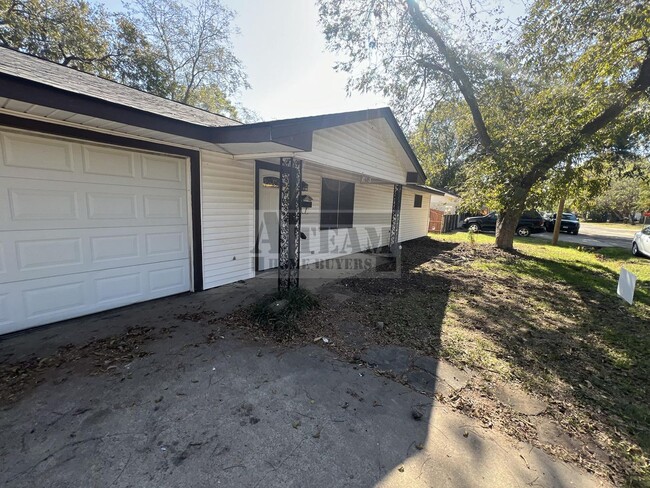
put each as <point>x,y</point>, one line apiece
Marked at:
<point>271,182</point>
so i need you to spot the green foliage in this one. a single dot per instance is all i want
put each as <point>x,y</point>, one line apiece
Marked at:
<point>173,49</point>
<point>551,97</point>
<point>443,142</point>
<point>279,313</point>
<point>70,32</point>
<point>193,43</point>
<point>624,196</point>
<point>83,36</point>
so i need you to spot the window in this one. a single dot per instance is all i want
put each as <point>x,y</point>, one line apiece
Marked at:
<point>417,203</point>
<point>337,203</point>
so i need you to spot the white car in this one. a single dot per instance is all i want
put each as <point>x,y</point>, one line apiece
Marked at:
<point>641,242</point>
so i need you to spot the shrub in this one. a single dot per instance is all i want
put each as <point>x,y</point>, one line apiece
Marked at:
<point>280,311</point>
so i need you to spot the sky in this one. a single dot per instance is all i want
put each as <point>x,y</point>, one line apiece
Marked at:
<point>291,72</point>
<point>283,52</point>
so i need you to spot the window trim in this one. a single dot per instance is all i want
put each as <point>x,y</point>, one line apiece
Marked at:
<point>417,201</point>
<point>338,225</point>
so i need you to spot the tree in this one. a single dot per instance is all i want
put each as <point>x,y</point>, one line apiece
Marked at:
<point>193,43</point>
<point>169,48</point>
<point>547,92</point>
<point>626,193</point>
<point>443,142</point>
<point>83,36</point>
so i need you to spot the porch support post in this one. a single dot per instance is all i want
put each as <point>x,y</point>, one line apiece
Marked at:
<point>393,243</point>
<point>289,249</point>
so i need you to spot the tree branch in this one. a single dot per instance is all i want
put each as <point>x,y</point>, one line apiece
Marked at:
<point>608,115</point>
<point>434,67</point>
<point>456,72</point>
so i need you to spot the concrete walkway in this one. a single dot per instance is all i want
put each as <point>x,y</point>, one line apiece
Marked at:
<point>210,405</point>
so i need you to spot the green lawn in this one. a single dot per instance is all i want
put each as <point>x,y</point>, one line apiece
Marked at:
<point>549,318</point>
<point>565,259</point>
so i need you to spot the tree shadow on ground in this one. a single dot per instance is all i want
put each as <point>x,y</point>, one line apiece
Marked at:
<point>563,321</point>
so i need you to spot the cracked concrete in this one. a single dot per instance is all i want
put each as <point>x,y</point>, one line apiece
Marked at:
<point>232,411</point>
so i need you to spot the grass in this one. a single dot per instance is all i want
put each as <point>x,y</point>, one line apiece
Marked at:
<point>550,319</point>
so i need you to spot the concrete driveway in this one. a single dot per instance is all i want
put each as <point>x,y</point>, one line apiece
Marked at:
<point>201,403</point>
<point>595,235</point>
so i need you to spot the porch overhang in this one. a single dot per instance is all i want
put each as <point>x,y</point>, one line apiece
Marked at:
<point>297,135</point>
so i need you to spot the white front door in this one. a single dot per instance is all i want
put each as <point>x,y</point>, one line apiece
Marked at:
<point>268,232</point>
<point>85,228</point>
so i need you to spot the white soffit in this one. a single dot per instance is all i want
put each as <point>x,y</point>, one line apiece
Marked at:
<point>48,114</point>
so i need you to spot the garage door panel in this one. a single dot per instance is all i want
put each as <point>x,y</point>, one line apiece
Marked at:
<point>23,151</point>
<point>113,249</point>
<point>163,169</point>
<point>41,204</point>
<point>85,228</point>
<point>32,204</point>
<point>109,162</point>
<point>44,254</point>
<point>61,298</point>
<point>32,255</point>
<point>170,207</point>
<point>36,302</point>
<point>5,312</point>
<point>167,279</point>
<point>41,158</point>
<point>112,205</point>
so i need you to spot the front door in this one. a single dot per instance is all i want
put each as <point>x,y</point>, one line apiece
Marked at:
<point>268,228</point>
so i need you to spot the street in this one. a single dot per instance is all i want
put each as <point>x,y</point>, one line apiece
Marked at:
<point>597,235</point>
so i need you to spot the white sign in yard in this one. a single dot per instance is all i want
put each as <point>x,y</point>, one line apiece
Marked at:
<point>626,284</point>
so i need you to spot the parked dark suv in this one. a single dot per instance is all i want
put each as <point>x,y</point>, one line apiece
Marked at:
<point>570,223</point>
<point>530,221</point>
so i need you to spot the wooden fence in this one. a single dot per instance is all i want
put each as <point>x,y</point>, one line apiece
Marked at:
<point>441,223</point>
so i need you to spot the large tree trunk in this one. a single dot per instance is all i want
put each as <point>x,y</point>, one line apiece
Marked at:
<point>506,228</point>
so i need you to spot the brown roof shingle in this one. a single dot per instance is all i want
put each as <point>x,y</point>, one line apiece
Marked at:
<point>62,77</point>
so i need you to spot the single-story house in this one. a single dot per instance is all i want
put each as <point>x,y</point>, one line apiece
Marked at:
<point>111,196</point>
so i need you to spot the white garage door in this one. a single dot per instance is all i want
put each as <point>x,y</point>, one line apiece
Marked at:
<point>85,228</point>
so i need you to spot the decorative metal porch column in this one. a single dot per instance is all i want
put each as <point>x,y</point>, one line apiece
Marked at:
<point>393,242</point>
<point>290,193</point>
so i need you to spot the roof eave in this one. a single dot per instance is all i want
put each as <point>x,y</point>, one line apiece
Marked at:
<point>32,92</point>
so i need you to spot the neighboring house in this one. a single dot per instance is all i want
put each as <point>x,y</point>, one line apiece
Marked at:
<point>111,196</point>
<point>445,202</point>
<point>443,209</point>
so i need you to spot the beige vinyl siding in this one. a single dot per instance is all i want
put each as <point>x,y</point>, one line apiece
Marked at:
<point>362,145</point>
<point>371,220</point>
<point>228,217</point>
<point>414,222</point>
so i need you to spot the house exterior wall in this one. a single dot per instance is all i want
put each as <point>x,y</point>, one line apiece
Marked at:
<point>363,144</point>
<point>228,219</point>
<point>371,220</point>
<point>228,215</point>
<point>413,222</point>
